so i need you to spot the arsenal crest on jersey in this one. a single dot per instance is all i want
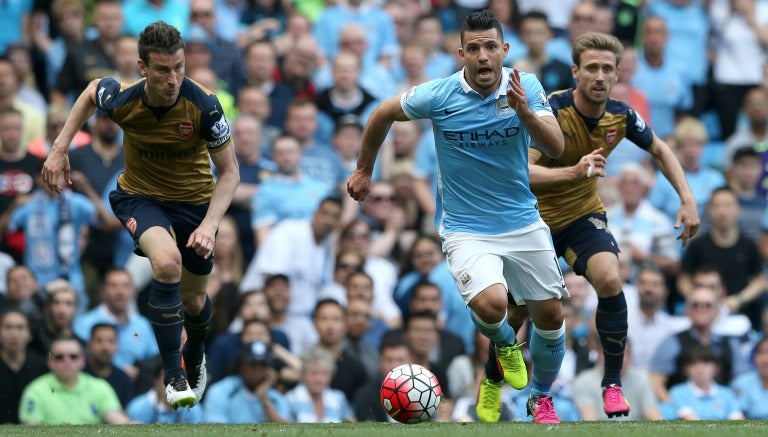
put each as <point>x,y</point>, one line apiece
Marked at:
<point>185,129</point>
<point>610,136</point>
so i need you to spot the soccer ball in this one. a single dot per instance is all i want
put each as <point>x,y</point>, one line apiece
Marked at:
<point>410,394</point>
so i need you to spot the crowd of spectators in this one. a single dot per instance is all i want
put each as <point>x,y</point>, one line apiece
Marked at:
<point>317,297</point>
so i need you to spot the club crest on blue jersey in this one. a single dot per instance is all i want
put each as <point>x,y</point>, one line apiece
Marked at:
<point>503,110</point>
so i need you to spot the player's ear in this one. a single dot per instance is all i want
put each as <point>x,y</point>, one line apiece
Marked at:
<point>142,68</point>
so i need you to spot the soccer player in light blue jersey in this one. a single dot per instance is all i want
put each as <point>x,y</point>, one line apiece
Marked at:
<point>498,248</point>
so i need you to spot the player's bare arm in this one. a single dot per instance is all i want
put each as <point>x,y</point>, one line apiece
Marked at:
<point>544,131</point>
<point>56,167</point>
<point>376,130</point>
<point>202,240</point>
<point>589,166</point>
<point>688,214</point>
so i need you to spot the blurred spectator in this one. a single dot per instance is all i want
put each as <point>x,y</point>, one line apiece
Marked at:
<point>739,35</point>
<point>429,32</point>
<point>136,340</point>
<point>508,14</point>
<point>81,398</point>
<point>54,123</point>
<point>247,134</point>
<point>667,89</point>
<point>18,365</point>
<point>59,312</point>
<point>389,238</point>
<point>400,148</point>
<point>560,14</point>
<point>313,400</point>
<point>374,78</point>
<point>260,62</point>
<point>688,45</point>
<point>701,397</point>
<point>346,263</point>
<point>6,263</point>
<point>743,176</point>
<point>21,58</point>
<point>561,399</point>
<point>249,396</point>
<point>90,59</point>
<point>297,25</point>
<point>102,347</point>
<point>380,33</point>
<point>347,142</point>
<point>254,101</point>
<point>667,369</point>
<point>427,298</point>
<point>426,261</point>
<point>229,269</point>
<point>206,76</point>
<point>413,60</point>
<point>32,123</point>
<point>228,13</point>
<point>649,323</point>
<point>140,13</point>
<point>68,18</point>
<point>393,352</point>
<point>151,407</point>
<point>288,194</point>
<point>300,250</point>
<point>755,130</point>
<point>730,252</point>
<point>636,386</point>
<point>635,222</point>
<point>263,18</point>
<point>579,311</point>
<point>357,236</point>
<point>23,294</point>
<point>751,388</point>
<point>331,329</point>
<point>13,21</point>
<point>299,329</point>
<point>553,74</point>
<point>225,55</point>
<point>344,98</point>
<point>97,163</point>
<point>250,305</point>
<point>727,322</point>
<point>580,21</point>
<point>126,59</point>
<point>296,70</point>
<point>689,140</point>
<point>359,318</point>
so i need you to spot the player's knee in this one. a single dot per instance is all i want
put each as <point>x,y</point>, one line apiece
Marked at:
<point>608,285</point>
<point>167,269</point>
<point>489,305</point>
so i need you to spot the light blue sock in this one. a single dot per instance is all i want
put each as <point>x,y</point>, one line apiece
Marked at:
<point>500,332</point>
<point>547,352</point>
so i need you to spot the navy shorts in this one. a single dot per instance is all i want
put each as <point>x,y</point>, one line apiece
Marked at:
<point>583,238</point>
<point>139,213</point>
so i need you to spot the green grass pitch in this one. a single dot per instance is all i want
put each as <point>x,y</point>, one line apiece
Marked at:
<point>368,429</point>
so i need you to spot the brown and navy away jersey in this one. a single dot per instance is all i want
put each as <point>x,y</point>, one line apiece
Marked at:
<point>166,149</point>
<point>559,206</point>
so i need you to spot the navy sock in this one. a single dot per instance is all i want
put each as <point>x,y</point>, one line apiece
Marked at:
<point>492,371</point>
<point>197,328</point>
<point>611,322</point>
<point>167,317</point>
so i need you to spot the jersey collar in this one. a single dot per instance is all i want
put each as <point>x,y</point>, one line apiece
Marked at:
<point>502,91</point>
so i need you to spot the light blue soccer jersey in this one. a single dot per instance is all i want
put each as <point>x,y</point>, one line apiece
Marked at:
<point>482,153</point>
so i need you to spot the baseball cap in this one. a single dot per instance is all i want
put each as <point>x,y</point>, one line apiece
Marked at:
<point>255,352</point>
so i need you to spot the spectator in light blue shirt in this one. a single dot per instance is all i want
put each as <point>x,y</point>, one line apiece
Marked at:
<point>700,397</point>
<point>136,339</point>
<point>318,367</point>
<point>751,388</point>
<point>249,396</point>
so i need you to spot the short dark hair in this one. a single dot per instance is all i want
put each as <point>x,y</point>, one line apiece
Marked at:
<point>479,21</point>
<point>327,301</point>
<point>98,326</point>
<point>159,37</point>
<point>697,354</point>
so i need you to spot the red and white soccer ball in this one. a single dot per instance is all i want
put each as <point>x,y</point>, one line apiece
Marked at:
<point>410,393</point>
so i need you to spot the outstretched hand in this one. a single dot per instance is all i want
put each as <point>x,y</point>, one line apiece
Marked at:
<point>516,96</point>
<point>358,185</point>
<point>688,217</point>
<point>56,171</point>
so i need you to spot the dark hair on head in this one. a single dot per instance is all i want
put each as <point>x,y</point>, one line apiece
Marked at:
<point>423,283</point>
<point>159,37</point>
<point>392,339</point>
<point>10,311</point>
<point>255,321</point>
<point>425,314</point>
<point>66,337</point>
<point>105,325</point>
<point>535,15</point>
<point>327,301</point>
<point>697,354</point>
<point>722,189</point>
<point>480,21</point>
<point>330,199</point>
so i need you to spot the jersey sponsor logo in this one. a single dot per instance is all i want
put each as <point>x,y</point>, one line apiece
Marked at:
<point>610,136</point>
<point>186,128</point>
<point>485,138</point>
<point>503,110</point>
<point>130,224</point>
<point>449,112</point>
<point>639,122</point>
<point>220,129</point>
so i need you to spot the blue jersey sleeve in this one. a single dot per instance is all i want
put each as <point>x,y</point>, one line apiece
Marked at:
<point>417,101</point>
<point>534,93</point>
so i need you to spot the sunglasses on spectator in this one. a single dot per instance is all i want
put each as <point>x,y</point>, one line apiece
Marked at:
<point>201,14</point>
<point>353,235</point>
<point>702,305</point>
<point>382,198</point>
<point>350,266</point>
<point>61,357</point>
